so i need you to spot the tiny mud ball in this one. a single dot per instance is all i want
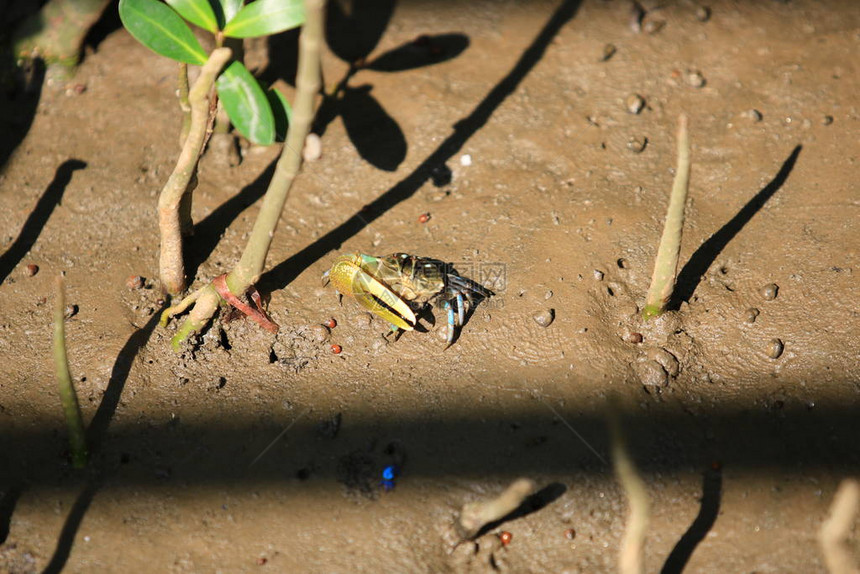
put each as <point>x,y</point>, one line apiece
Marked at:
<point>397,286</point>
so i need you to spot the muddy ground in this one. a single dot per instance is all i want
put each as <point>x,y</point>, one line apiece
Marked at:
<point>521,147</point>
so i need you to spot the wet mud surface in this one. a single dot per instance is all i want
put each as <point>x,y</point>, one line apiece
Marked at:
<point>541,145</point>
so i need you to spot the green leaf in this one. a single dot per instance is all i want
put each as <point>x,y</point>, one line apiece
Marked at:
<point>197,12</point>
<point>230,8</point>
<point>161,30</point>
<point>265,17</point>
<point>246,104</point>
<point>282,111</point>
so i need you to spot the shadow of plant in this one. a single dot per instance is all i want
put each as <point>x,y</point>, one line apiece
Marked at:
<point>352,37</point>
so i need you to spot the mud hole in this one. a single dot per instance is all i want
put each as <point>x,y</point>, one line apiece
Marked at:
<point>538,178</point>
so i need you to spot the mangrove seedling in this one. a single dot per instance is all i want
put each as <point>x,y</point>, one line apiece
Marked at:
<point>68,396</point>
<point>247,271</point>
<point>666,265</point>
<point>255,113</point>
<point>55,34</point>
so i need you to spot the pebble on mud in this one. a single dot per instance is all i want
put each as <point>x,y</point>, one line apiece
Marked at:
<point>319,333</point>
<point>336,349</point>
<point>775,348</point>
<point>465,160</point>
<point>634,338</point>
<point>826,120</point>
<point>598,275</point>
<point>608,51</point>
<point>330,323</point>
<point>652,374</point>
<point>753,115</point>
<point>313,148</point>
<point>694,78</point>
<point>135,282</point>
<point>424,218</point>
<point>570,533</point>
<point>751,314</point>
<point>635,103</point>
<point>703,13</point>
<point>544,318</point>
<point>31,270</point>
<point>769,291</point>
<point>70,311</point>
<point>637,144</point>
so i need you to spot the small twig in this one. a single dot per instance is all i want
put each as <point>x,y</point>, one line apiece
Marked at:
<point>475,515</point>
<point>171,266</point>
<point>68,397</point>
<point>834,532</point>
<point>666,264</point>
<point>631,558</point>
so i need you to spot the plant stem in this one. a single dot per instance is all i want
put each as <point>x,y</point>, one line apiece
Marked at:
<point>68,397</point>
<point>666,265</point>
<point>631,558</point>
<point>57,31</point>
<point>171,266</point>
<point>253,259</point>
<point>836,530</point>
<point>184,104</point>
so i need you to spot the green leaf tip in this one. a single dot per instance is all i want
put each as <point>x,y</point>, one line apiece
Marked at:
<point>159,28</point>
<point>265,17</point>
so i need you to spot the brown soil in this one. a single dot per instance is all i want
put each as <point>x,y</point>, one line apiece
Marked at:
<point>741,451</point>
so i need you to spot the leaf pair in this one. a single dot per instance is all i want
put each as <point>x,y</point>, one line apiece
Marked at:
<point>260,116</point>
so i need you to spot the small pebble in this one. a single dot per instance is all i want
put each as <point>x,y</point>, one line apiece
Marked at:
<point>634,338</point>
<point>751,314</point>
<point>331,323</point>
<point>769,291</point>
<point>70,311</point>
<point>694,78</point>
<point>319,333</point>
<point>548,295</point>
<point>753,115</point>
<point>465,160</point>
<point>424,218</point>
<point>31,270</point>
<point>635,103</point>
<point>336,349</point>
<point>775,348</point>
<point>261,561</point>
<point>313,148</point>
<point>570,533</point>
<point>544,318</point>
<point>653,25</point>
<point>134,282</point>
<point>622,263</point>
<point>703,13</point>
<point>506,537</point>
<point>637,144</point>
<point>598,275</point>
<point>608,51</point>
<point>826,120</point>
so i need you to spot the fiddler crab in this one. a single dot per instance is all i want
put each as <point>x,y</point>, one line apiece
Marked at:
<point>398,286</point>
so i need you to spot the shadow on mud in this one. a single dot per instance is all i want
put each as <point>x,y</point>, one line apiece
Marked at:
<point>38,217</point>
<point>429,170</point>
<point>692,272</point>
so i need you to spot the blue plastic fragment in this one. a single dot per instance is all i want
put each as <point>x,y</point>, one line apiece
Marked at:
<point>389,473</point>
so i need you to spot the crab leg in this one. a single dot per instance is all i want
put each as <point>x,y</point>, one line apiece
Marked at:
<point>461,311</point>
<point>450,336</point>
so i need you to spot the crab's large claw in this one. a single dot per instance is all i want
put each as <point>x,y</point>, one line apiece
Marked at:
<point>352,275</point>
